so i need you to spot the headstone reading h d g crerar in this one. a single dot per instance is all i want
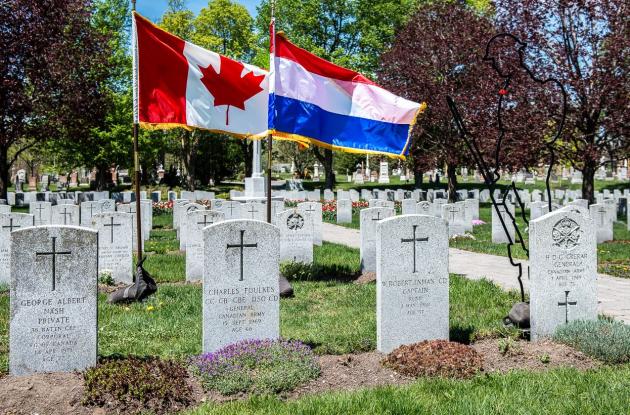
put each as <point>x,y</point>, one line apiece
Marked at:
<point>562,270</point>
<point>115,244</point>
<point>241,298</point>
<point>10,222</point>
<point>369,218</point>
<point>412,282</point>
<point>53,326</point>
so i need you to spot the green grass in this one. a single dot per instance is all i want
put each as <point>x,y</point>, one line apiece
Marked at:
<point>564,391</point>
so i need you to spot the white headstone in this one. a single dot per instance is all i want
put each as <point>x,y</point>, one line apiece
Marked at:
<point>412,281</point>
<point>67,215</point>
<point>10,222</point>
<point>314,209</point>
<point>42,211</point>
<point>115,244</point>
<point>241,298</point>
<point>384,172</point>
<point>195,223</point>
<point>453,215</point>
<point>563,270</point>
<point>369,218</point>
<point>603,224</point>
<point>254,211</point>
<point>53,326</point>
<point>296,236</point>
<point>498,233</point>
<point>344,211</point>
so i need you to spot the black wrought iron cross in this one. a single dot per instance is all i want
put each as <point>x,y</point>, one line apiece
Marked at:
<point>111,225</point>
<point>11,225</point>
<point>566,305</point>
<point>413,240</point>
<point>53,255</point>
<point>241,246</point>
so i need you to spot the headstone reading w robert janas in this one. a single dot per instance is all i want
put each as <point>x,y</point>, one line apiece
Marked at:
<point>241,298</point>
<point>115,244</point>
<point>412,281</point>
<point>53,324</point>
<point>10,222</point>
<point>563,270</point>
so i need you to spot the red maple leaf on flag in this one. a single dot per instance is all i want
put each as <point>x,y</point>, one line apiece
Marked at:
<point>228,87</point>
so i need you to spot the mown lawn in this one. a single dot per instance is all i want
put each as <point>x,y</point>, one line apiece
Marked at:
<point>557,392</point>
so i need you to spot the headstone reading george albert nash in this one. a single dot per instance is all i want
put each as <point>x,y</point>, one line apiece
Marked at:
<point>53,326</point>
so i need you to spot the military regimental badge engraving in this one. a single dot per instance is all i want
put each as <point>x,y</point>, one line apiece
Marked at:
<point>566,233</point>
<point>295,221</point>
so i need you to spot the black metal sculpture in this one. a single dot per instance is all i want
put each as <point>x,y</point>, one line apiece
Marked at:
<point>491,174</point>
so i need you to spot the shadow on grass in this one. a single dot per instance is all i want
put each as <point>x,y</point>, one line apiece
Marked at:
<point>461,334</point>
<point>297,271</point>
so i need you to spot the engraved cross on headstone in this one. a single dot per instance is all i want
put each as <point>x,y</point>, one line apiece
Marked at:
<point>452,210</point>
<point>241,246</point>
<point>39,209</point>
<point>413,240</point>
<point>231,206</point>
<point>65,215</point>
<point>252,211</point>
<point>53,254</point>
<point>205,221</point>
<point>111,225</point>
<point>378,216</point>
<point>602,214</point>
<point>11,225</point>
<point>310,209</point>
<point>566,305</point>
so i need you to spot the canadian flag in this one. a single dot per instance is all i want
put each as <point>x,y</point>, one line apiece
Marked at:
<point>181,84</point>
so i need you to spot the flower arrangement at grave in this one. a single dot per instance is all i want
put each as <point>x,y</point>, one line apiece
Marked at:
<point>162,207</point>
<point>256,366</point>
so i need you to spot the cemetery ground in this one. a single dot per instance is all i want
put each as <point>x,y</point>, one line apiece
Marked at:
<point>334,315</point>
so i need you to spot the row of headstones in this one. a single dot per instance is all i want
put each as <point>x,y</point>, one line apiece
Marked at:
<point>54,272</point>
<point>115,224</point>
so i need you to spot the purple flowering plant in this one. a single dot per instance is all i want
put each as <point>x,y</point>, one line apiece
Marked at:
<point>257,366</point>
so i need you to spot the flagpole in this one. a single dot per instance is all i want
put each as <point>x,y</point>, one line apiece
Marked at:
<point>272,51</point>
<point>136,161</point>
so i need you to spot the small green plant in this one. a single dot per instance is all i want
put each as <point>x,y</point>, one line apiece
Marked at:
<point>297,271</point>
<point>4,287</point>
<point>545,358</point>
<point>105,277</point>
<point>257,366</point>
<point>508,346</point>
<point>136,384</point>
<point>603,339</point>
<point>440,358</point>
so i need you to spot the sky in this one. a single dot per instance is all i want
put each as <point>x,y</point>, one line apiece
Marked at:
<point>153,9</point>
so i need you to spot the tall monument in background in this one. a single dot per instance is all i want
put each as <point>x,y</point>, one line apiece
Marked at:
<point>255,185</point>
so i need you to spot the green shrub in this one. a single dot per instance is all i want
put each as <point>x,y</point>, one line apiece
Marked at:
<point>257,366</point>
<point>136,384</point>
<point>603,339</point>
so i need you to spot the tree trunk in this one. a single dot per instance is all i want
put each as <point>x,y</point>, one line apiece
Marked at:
<point>4,173</point>
<point>326,160</point>
<point>588,181</point>
<point>451,172</point>
<point>417,178</point>
<point>187,148</point>
<point>103,178</point>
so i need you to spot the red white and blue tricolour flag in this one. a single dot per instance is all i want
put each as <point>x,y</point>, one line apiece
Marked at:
<point>314,101</point>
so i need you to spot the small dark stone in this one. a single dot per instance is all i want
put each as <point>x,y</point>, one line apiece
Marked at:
<point>518,316</point>
<point>286,291</point>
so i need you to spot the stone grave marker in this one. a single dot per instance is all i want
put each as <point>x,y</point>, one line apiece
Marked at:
<point>424,208</point>
<point>329,194</point>
<point>130,208</point>
<point>369,218</point>
<point>115,244</point>
<point>472,205</point>
<point>195,223</point>
<point>498,233</point>
<point>241,298</point>
<point>453,215</point>
<point>538,209</point>
<point>184,211</point>
<point>231,210</point>
<point>408,207</point>
<point>344,211</point>
<point>53,325</point>
<point>10,222</point>
<point>603,223</point>
<point>412,281</point>
<point>107,205</point>
<point>467,215</point>
<point>147,217</point>
<point>67,215</point>
<point>254,211</point>
<point>88,209</point>
<point>42,211</point>
<point>563,270</point>
<point>314,210</point>
<point>296,236</point>
<point>5,209</point>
